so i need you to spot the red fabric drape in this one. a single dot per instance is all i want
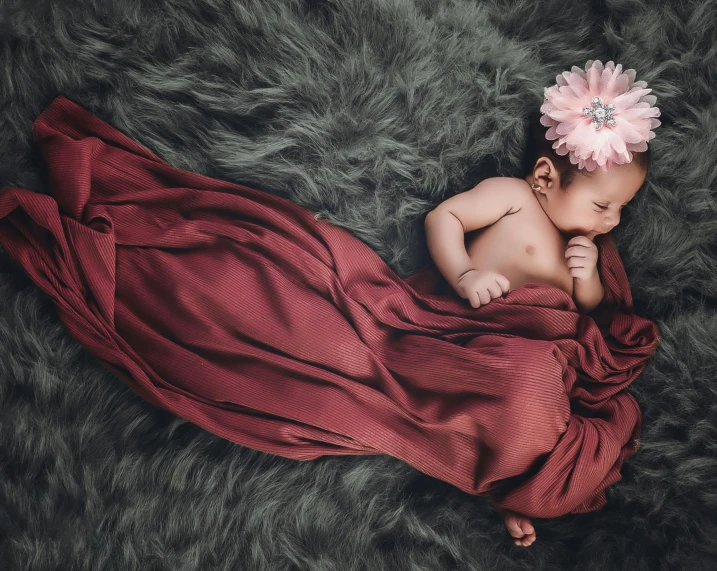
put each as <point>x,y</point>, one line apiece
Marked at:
<point>237,310</point>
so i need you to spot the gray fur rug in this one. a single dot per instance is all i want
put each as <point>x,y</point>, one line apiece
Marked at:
<point>369,112</point>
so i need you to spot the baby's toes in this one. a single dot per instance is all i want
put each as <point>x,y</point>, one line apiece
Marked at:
<point>526,540</point>
<point>526,526</point>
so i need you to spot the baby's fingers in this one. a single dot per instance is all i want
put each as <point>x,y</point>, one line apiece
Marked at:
<point>474,299</point>
<point>485,295</point>
<point>494,289</point>
<point>503,283</point>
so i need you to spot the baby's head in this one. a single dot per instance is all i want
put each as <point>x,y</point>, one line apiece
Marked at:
<point>578,201</point>
<point>587,153</point>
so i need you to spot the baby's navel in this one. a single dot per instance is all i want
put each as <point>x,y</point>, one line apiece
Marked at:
<point>530,249</point>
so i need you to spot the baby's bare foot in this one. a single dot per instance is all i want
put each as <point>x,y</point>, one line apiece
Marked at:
<point>519,527</point>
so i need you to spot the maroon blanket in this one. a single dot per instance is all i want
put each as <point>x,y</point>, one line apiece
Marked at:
<point>240,312</point>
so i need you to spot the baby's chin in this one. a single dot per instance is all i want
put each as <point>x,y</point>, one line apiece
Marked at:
<point>589,235</point>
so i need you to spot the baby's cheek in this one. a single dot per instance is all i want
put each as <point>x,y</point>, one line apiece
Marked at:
<point>591,223</point>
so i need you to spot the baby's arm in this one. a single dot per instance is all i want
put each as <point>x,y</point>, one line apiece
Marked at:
<point>582,260</point>
<point>589,294</point>
<point>481,206</point>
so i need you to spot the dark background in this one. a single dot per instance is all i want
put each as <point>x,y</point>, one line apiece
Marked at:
<point>370,112</point>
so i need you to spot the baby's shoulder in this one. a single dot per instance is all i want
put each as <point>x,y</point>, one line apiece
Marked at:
<point>517,188</point>
<point>508,182</point>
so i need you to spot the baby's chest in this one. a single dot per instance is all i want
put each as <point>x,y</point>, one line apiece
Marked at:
<point>524,248</point>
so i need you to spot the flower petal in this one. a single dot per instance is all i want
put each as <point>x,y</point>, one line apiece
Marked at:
<point>634,114</point>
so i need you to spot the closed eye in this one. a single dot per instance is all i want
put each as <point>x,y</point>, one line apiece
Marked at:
<point>603,207</point>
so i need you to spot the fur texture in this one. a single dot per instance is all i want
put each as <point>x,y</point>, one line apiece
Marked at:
<point>369,112</point>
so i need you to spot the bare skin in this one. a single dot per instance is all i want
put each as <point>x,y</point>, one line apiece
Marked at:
<point>519,527</point>
<point>529,245</point>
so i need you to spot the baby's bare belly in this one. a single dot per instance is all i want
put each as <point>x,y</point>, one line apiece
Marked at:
<point>522,249</point>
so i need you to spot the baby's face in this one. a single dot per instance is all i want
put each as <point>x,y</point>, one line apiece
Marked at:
<point>592,205</point>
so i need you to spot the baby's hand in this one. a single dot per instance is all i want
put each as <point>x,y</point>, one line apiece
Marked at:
<point>481,286</point>
<point>582,255</point>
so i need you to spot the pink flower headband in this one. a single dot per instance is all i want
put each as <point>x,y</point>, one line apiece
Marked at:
<point>599,116</point>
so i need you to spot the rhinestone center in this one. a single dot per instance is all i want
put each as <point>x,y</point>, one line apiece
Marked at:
<point>600,113</point>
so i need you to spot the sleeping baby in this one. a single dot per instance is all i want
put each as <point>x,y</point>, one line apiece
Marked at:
<point>506,232</point>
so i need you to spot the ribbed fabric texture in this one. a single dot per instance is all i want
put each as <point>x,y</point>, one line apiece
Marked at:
<point>239,311</point>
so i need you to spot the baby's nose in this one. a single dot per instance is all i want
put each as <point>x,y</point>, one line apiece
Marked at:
<point>612,221</point>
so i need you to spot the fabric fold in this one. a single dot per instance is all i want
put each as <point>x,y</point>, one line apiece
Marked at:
<point>239,311</point>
